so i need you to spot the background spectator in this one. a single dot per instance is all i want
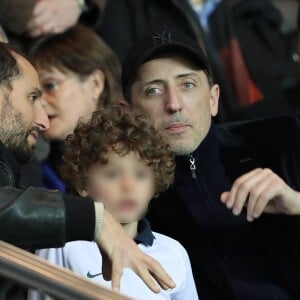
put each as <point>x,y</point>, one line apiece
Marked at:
<point>79,74</point>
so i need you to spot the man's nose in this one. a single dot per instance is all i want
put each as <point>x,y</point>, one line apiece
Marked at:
<point>173,100</point>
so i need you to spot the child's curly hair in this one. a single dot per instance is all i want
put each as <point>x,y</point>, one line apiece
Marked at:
<point>123,132</point>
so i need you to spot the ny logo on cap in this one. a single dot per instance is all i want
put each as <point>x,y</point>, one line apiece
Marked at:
<point>162,38</point>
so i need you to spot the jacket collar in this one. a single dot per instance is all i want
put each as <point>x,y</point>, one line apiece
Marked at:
<point>145,235</point>
<point>228,145</point>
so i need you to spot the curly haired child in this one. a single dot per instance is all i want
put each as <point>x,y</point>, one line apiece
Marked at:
<point>120,159</point>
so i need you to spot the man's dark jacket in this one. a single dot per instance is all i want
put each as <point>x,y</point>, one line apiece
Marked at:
<point>225,250</point>
<point>36,218</point>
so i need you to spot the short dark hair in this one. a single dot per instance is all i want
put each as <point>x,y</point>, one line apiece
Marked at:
<point>122,132</point>
<point>9,68</point>
<point>81,51</point>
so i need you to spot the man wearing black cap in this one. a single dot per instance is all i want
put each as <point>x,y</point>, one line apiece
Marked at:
<point>236,184</point>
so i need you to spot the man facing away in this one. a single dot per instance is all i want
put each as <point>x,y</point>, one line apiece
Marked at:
<point>235,203</point>
<point>36,218</point>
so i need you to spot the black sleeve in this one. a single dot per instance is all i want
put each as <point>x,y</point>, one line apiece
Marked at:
<point>38,218</point>
<point>80,218</point>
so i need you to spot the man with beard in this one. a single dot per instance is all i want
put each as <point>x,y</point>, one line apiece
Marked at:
<point>37,218</point>
<point>235,202</point>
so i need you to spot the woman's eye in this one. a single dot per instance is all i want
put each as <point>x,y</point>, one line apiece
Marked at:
<point>49,86</point>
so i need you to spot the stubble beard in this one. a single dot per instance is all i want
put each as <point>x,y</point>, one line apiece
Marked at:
<point>14,132</point>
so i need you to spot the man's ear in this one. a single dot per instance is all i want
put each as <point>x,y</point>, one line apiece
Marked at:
<point>214,99</point>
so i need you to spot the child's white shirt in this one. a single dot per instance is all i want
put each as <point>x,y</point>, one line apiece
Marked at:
<point>84,258</point>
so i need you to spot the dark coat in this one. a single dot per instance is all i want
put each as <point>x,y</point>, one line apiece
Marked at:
<point>191,212</point>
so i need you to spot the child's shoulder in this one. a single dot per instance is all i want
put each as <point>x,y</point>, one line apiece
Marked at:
<point>167,241</point>
<point>166,248</point>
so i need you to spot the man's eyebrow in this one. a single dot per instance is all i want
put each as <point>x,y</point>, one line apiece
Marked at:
<point>187,75</point>
<point>154,81</point>
<point>184,75</point>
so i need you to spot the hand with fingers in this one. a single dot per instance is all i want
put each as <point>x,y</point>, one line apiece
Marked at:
<point>261,191</point>
<point>53,16</point>
<point>122,252</point>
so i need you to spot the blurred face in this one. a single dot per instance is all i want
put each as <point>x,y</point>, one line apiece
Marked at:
<point>177,98</point>
<point>125,185</point>
<point>67,100</point>
<point>21,112</point>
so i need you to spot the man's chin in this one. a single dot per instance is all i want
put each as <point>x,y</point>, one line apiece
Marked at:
<point>182,148</point>
<point>182,144</point>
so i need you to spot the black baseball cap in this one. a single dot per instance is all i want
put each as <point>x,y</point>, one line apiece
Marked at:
<point>156,44</point>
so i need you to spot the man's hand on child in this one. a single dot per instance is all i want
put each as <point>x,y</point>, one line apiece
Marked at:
<point>124,253</point>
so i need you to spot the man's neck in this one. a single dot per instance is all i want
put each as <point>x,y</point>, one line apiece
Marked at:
<point>131,229</point>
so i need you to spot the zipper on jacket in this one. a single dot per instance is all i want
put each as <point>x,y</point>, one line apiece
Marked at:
<point>193,166</point>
